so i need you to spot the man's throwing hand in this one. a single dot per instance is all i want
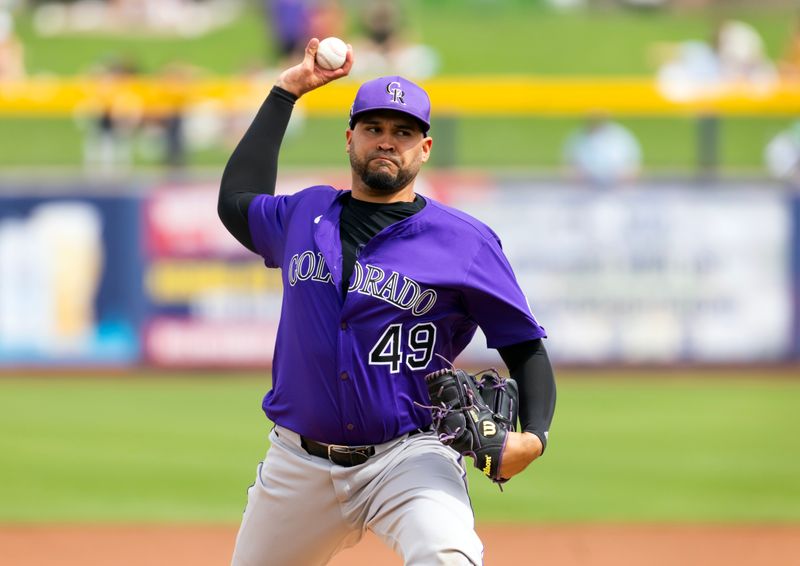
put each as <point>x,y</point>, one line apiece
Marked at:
<point>308,75</point>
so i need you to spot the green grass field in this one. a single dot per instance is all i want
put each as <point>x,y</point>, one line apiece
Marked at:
<point>525,39</point>
<point>168,448</point>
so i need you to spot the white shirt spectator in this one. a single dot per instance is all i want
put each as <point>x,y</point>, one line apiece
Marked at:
<point>603,153</point>
<point>782,154</point>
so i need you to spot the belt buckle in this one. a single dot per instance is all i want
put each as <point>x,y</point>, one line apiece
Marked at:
<point>331,447</point>
<point>348,452</point>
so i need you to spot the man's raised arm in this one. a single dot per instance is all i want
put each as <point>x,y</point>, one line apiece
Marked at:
<point>253,166</point>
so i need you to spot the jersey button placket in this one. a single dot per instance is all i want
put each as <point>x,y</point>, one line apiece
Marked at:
<point>346,395</point>
<point>344,376</point>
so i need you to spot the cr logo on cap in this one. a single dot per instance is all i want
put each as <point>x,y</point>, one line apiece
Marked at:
<point>397,93</point>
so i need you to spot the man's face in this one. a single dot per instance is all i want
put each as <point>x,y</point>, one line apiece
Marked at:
<point>387,149</point>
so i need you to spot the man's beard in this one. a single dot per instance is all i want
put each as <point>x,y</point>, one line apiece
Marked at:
<point>381,180</point>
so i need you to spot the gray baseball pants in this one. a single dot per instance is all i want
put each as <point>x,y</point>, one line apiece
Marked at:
<point>412,493</point>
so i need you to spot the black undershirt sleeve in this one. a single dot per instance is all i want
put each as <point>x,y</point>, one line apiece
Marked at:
<point>530,366</point>
<point>253,166</point>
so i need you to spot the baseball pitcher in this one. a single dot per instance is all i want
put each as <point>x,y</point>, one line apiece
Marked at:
<point>382,287</point>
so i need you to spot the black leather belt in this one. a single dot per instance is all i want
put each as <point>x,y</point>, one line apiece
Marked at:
<point>346,456</point>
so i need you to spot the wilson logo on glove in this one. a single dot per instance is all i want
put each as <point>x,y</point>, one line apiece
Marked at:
<point>487,469</point>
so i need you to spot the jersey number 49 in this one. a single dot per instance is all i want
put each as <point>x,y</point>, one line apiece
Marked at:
<point>389,351</point>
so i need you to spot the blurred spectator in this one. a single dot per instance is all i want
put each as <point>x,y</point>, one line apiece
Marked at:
<point>603,152</point>
<point>689,69</point>
<point>385,48</point>
<point>163,132</point>
<point>293,22</point>
<point>782,155</point>
<point>741,55</point>
<point>287,21</point>
<point>113,122</point>
<point>174,152</point>
<point>12,63</point>
<point>696,69</point>
<point>327,19</point>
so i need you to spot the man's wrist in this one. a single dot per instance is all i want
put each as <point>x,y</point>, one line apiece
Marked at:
<point>540,436</point>
<point>520,450</point>
<point>533,443</point>
<point>290,86</point>
<point>287,95</point>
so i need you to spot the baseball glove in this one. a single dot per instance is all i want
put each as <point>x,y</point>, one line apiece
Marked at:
<point>473,415</point>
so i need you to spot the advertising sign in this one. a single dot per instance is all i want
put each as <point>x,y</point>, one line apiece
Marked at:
<point>647,274</point>
<point>214,304</point>
<point>673,274</point>
<point>70,280</point>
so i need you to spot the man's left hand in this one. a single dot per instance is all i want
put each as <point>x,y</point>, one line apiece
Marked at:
<point>521,449</point>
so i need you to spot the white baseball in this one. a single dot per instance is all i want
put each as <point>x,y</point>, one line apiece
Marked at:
<point>331,53</point>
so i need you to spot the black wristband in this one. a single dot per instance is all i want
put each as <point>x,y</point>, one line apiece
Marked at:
<point>285,94</point>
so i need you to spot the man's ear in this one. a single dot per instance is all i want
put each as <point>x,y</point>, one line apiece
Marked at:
<point>427,143</point>
<point>348,135</point>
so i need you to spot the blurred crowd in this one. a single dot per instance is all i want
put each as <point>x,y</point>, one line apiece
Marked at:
<point>606,153</point>
<point>601,150</point>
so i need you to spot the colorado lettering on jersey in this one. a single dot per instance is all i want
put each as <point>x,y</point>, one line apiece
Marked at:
<point>308,265</point>
<point>393,288</point>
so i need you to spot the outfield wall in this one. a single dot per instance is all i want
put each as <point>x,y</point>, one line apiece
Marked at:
<point>663,272</point>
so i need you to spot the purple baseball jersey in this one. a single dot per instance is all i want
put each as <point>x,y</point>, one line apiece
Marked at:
<point>348,368</point>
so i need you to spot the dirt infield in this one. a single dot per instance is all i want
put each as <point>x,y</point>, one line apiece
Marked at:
<point>505,545</point>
